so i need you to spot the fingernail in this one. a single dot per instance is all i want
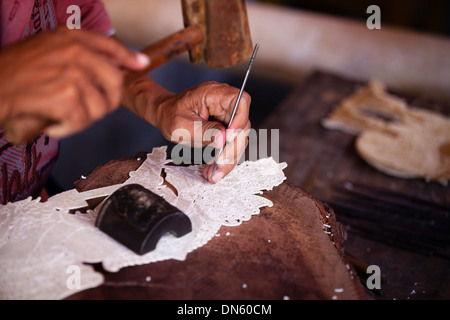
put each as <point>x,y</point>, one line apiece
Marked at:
<point>143,59</point>
<point>217,176</point>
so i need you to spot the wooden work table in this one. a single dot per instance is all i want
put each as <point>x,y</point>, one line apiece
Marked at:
<point>288,251</point>
<point>399,225</point>
<point>285,252</point>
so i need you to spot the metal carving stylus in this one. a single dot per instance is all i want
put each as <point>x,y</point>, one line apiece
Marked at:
<point>252,59</point>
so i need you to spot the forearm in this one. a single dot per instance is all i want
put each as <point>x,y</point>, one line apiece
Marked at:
<point>144,97</point>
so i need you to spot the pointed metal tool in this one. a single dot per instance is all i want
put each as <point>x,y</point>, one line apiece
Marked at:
<point>252,59</point>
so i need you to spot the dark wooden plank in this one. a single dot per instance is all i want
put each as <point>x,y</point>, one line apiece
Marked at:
<point>397,217</point>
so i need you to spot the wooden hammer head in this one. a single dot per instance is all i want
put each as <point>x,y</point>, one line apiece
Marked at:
<point>226,33</point>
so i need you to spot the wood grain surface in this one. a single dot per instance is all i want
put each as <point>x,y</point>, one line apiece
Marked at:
<point>293,250</point>
<point>401,225</point>
<point>284,252</point>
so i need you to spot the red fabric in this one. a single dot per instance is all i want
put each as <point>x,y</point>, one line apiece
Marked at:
<point>16,16</point>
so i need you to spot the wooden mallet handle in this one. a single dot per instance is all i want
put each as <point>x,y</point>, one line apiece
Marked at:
<point>168,49</point>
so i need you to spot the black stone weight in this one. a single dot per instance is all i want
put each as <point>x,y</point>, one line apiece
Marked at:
<point>137,218</point>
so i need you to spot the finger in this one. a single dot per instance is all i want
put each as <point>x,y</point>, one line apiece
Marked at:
<point>59,130</point>
<point>230,157</point>
<point>221,100</point>
<point>90,92</point>
<point>68,108</point>
<point>94,100</point>
<point>69,123</point>
<point>205,172</point>
<point>91,80</point>
<point>213,134</point>
<point>200,133</point>
<point>237,151</point>
<point>234,150</point>
<point>208,173</point>
<point>104,76</point>
<point>113,48</point>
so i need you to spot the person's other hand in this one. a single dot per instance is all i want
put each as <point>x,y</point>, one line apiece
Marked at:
<point>64,78</point>
<point>212,104</point>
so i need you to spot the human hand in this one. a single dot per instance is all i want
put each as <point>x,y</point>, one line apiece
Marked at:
<point>64,79</point>
<point>212,104</point>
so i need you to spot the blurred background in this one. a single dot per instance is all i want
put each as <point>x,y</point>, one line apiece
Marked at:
<point>420,15</point>
<point>410,53</point>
